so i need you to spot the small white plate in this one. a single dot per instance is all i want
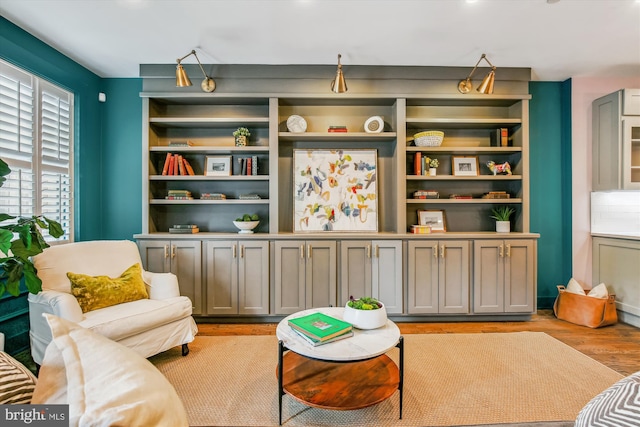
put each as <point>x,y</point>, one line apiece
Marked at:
<point>296,124</point>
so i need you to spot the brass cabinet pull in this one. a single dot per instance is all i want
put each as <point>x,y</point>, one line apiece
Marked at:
<point>301,251</point>
<point>435,250</point>
<point>368,251</point>
<point>377,251</point>
<point>441,251</point>
<point>173,251</point>
<point>241,251</point>
<point>309,249</point>
<point>501,250</point>
<point>234,251</point>
<point>166,251</point>
<point>508,250</point>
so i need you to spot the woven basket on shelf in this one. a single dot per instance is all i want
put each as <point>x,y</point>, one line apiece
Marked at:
<point>431,138</point>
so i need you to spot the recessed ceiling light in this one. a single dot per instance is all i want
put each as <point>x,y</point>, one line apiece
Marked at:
<point>552,1</point>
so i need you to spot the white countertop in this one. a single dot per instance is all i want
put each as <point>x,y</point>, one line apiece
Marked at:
<point>364,344</point>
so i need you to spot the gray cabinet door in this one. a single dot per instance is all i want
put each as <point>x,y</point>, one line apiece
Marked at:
<point>606,140</point>
<point>355,269</point>
<point>422,277</point>
<point>221,277</point>
<point>488,276</point>
<point>186,263</point>
<point>155,255</point>
<point>320,274</point>
<point>504,276</point>
<point>290,272</point>
<point>386,274</point>
<point>519,276</point>
<point>180,257</point>
<point>253,277</point>
<point>453,276</point>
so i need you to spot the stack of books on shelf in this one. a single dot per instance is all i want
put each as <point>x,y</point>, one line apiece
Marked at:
<point>461,196</point>
<point>497,195</point>
<point>213,196</point>
<point>246,166</point>
<point>186,143</point>
<point>499,137</point>
<point>337,129</point>
<point>175,164</point>
<point>426,194</point>
<point>318,328</point>
<point>184,229</point>
<point>179,195</point>
<point>249,197</point>
<point>421,229</point>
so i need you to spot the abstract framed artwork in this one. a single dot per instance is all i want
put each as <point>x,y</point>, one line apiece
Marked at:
<point>335,190</point>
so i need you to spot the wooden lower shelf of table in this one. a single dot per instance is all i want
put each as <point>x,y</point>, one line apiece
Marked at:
<point>339,385</point>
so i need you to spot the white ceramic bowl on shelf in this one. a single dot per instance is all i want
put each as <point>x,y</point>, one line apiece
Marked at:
<point>246,227</point>
<point>365,319</point>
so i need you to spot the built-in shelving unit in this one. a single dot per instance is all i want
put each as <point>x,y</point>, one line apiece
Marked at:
<point>301,270</point>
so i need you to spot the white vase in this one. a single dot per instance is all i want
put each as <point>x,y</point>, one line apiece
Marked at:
<point>503,226</point>
<point>365,319</point>
<point>432,171</point>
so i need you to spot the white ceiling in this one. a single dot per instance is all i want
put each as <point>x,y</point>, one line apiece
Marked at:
<point>557,39</point>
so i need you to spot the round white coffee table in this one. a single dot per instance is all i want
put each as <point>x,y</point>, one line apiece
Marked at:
<point>315,375</point>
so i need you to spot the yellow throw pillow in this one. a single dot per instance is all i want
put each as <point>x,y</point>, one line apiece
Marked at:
<point>97,292</point>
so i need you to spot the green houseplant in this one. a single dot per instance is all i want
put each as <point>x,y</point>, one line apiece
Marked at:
<point>241,135</point>
<point>502,214</point>
<point>16,252</point>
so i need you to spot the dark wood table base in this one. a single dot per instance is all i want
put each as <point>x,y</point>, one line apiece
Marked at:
<point>339,385</point>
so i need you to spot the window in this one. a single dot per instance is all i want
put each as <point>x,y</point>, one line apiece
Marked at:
<point>36,140</point>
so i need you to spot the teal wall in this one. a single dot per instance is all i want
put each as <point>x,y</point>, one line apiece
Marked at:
<point>550,172</point>
<point>122,157</point>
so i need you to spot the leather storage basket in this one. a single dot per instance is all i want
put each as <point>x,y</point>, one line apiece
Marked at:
<point>585,310</point>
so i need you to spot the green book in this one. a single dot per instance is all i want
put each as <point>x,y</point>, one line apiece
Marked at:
<point>319,326</point>
<point>316,343</point>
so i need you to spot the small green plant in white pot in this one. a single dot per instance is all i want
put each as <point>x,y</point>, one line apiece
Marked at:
<point>502,214</point>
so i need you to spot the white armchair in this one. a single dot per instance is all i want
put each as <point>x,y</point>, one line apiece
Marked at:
<point>148,326</point>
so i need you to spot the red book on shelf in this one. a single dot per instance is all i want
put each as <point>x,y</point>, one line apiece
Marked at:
<point>187,166</point>
<point>248,165</point>
<point>417,164</point>
<point>165,168</point>
<point>181,168</point>
<point>171,164</point>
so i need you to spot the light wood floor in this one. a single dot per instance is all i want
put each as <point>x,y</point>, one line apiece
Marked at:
<point>617,346</point>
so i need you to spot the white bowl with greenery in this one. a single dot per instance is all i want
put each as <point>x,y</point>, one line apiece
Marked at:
<point>246,227</point>
<point>365,313</point>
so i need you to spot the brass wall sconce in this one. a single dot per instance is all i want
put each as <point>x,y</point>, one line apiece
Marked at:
<point>486,86</point>
<point>339,85</point>
<point>182,79</point>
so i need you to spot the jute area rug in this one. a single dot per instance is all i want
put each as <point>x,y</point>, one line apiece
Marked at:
<point>449,380</point>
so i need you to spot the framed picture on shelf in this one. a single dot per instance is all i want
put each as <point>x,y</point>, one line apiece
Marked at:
<point>464,165</point>
<point>217,165</point>
<point>335,190</point>
<point>433,218</point>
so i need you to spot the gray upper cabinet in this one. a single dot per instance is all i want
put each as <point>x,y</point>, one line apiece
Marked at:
<point>616,141</point>
<point>305,275</point>
<point>438,277</point>
<point>372,268</point>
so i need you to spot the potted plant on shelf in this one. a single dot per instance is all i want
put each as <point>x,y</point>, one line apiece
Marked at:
<point>502,214</point>
<point>365,313</point>
<point>16,253</point>
<point>433,164</point>
<point>242,135</point>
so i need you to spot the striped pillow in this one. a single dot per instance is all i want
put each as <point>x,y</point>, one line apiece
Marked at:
<point>16,382</point>
<point>619,405</point>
